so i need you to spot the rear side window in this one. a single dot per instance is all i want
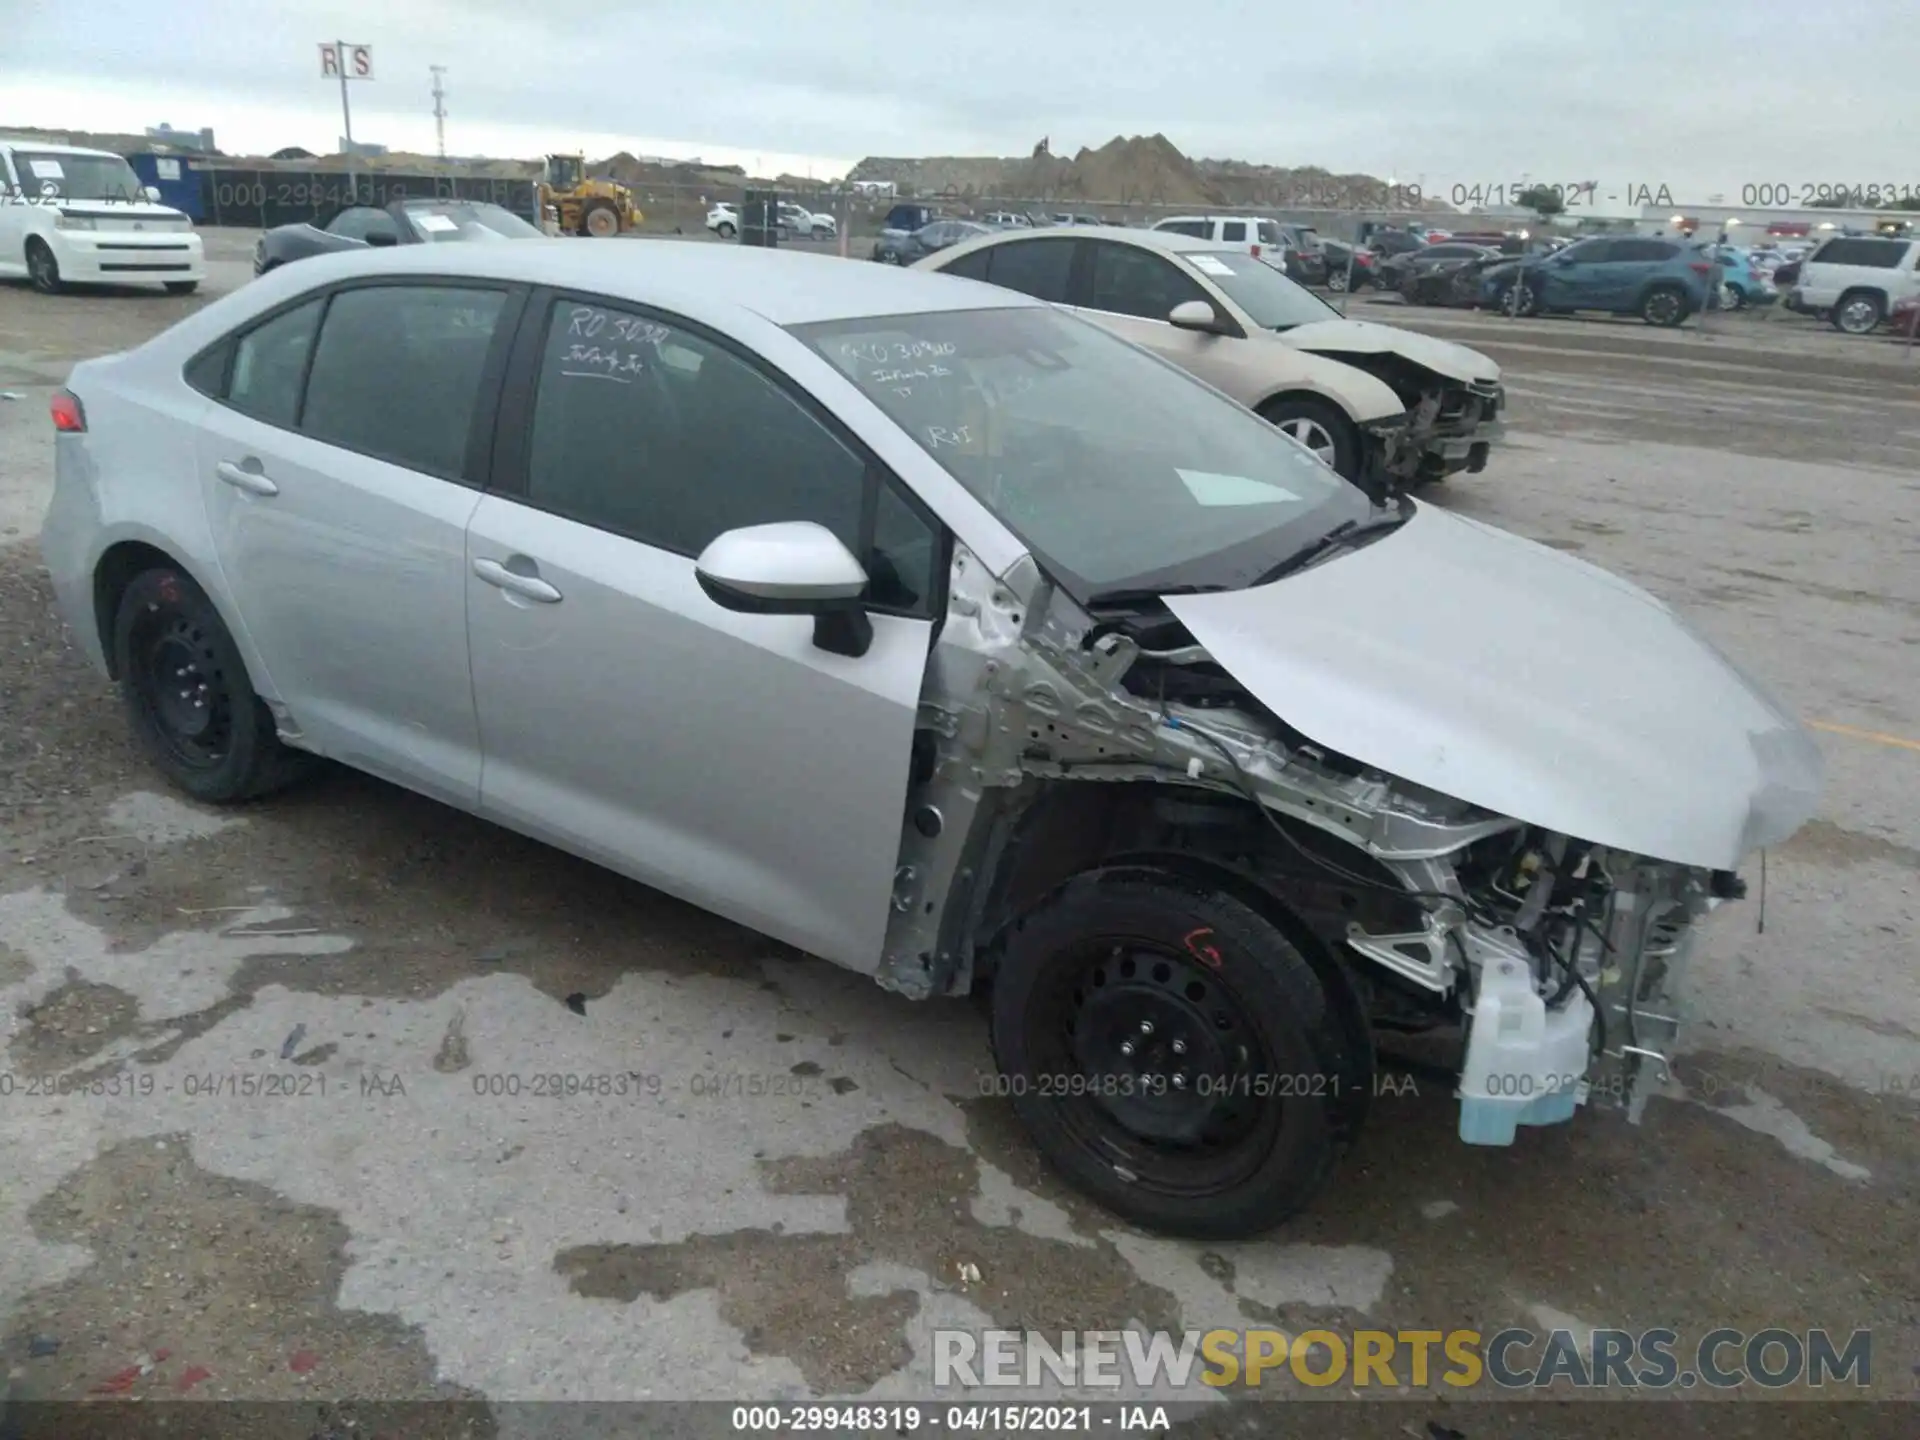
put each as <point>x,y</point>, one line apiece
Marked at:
<point>1234,231</point>
<point>1642,250</point>
<point>970,267</point>
<point>397,373</point>
<point>1875,254</point>
<point>1034,267</point>
<point>268,363</point>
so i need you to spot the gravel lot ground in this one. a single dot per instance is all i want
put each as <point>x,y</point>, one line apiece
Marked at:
<point>391,1231</point>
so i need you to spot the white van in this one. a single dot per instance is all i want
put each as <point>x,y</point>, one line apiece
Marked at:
<point>71,216</point>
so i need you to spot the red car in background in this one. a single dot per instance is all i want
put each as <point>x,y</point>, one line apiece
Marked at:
<point>1904,318</point>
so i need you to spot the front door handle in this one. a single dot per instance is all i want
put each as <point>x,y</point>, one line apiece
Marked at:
<point>254,481</point>
<point>528,587</point>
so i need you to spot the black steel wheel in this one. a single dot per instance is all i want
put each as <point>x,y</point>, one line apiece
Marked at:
<point>1171,1053</point>
<point>188,696</point>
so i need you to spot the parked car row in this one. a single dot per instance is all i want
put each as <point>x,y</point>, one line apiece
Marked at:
<point>793,221</point>
<point>924,625</point>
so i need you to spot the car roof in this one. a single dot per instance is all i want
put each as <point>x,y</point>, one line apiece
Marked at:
<point>46,149</point>
<point>786,287</point>
<point>1171,240</point>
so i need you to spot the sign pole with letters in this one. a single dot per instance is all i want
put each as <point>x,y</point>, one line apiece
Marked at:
<point>347,62</point>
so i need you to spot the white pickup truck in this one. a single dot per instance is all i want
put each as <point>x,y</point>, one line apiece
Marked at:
<point>70,216</point>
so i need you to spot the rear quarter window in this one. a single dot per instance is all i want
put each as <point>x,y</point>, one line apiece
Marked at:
<point>1873,254</point>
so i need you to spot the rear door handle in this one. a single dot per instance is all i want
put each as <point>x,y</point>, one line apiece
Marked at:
<point>254,482</point>
<point>528,587</point>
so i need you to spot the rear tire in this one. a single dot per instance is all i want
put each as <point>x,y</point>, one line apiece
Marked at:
<point>725,231</point>
<point>1127,978</point>
<point>1858,312</point>
<point>188,697</point>
<point>42,269</point>
<point>1664,306</point>
<point>1337,280</point>
<point>1322,427</point>
<point>181,287</point>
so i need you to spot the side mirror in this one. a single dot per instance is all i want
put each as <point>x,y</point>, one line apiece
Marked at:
<point>1195,315</point>
<point>152,192</point>
<point>794,567</point>
<point>382,237</point>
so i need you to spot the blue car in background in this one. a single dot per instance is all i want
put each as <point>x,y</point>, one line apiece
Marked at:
<point>1746,285</point>
<point>1662,281</point>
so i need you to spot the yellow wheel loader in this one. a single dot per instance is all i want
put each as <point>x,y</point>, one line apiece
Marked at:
<point>585,207</point>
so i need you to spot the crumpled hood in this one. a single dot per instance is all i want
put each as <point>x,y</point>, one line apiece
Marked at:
<point>1361,337</point>
<point>1525,681</point>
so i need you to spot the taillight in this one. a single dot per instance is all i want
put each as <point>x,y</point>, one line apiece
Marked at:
<point>1255,251</point>
<point>1700,267</point>
<point>68,417</point>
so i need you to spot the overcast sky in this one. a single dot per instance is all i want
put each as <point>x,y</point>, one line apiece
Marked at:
<point>1703,98</point>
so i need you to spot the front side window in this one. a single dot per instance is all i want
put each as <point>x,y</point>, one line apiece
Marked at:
<point>396,374</point>
<point>1588,252</point>
<point>656,433</point>
<point>268,362</point>
<point>1117,469</point>
<point>1271,300</point>
<point>1127,280</point>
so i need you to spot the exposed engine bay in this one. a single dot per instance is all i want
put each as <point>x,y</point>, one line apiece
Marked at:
<point>1052,740</point>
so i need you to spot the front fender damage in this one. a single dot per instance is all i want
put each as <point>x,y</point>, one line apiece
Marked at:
<point>1026,694</point>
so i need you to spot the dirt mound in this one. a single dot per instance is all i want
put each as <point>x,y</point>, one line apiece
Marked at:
<point>1146,169</point>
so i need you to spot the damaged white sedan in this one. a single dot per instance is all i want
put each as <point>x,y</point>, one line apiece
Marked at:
<point>946,636</point>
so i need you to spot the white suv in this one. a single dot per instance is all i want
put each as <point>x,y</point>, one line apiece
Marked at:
<point>1856,280</point>
<point>72,216</point>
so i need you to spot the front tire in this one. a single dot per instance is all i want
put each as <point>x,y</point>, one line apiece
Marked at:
<point>600,221</point>
<point>188,697</point>
<point>1322,427</point>
<point>1170,1052</point>
<point>181,287</point>
<point>1519,297</point>
<point>1736,298</point>
<point>42,269</point>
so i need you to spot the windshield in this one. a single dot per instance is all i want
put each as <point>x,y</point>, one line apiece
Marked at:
<point>1271,301</point>
<point>76,177</point>
<point>467,220</point>
<point>1119,471</point>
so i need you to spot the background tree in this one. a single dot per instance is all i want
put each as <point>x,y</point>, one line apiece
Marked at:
<point>1543,200</point>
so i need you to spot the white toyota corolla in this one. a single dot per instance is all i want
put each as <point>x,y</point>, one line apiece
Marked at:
<point>938,632</point>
